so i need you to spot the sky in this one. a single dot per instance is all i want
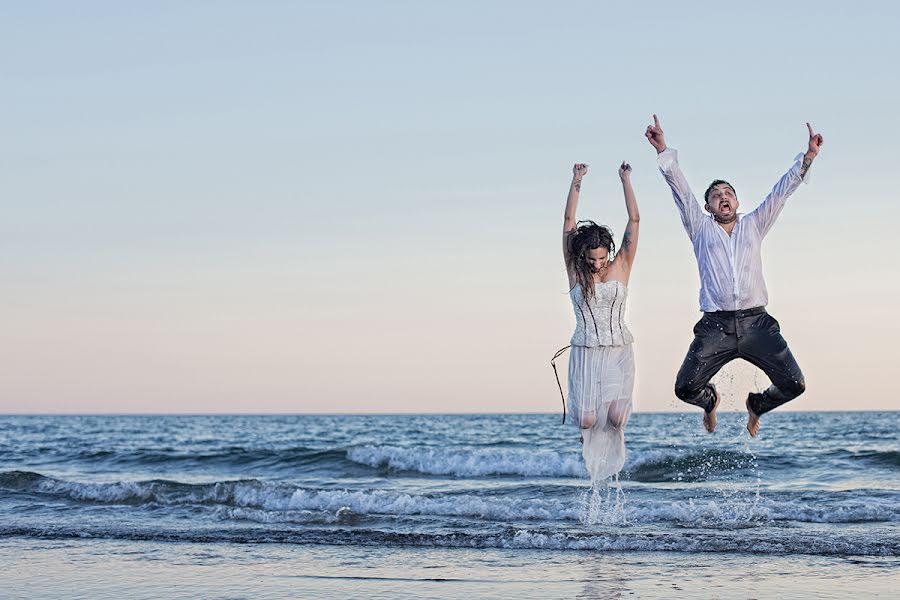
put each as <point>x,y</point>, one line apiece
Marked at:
<point>301,207</point>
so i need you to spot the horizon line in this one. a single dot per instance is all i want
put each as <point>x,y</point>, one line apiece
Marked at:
<point>387,414</point>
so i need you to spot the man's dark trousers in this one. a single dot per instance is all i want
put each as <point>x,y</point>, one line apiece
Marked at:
<point>755,336</point>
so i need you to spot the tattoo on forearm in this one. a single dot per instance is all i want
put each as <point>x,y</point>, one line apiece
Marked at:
<point>577,185</point>
<point>807,161</point>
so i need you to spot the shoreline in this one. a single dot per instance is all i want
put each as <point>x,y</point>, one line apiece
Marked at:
<point>110,568</point>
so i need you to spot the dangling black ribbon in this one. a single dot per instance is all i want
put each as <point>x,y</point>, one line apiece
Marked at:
<point>555,372</point>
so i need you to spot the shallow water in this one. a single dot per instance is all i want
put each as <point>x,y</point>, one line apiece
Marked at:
<point>100,569</point>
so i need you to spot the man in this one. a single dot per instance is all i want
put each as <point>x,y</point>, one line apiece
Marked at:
<point>733,295</point>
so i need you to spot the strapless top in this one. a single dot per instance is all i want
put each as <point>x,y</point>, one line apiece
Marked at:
<point>601,322</point>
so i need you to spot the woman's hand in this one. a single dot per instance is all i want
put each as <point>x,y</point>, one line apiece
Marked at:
<point>624,171</point>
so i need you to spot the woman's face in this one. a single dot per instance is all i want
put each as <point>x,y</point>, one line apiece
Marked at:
<point>598,259</point>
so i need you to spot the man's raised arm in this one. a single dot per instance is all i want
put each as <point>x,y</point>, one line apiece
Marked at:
<point>766,213</point>
<point>691,214</point>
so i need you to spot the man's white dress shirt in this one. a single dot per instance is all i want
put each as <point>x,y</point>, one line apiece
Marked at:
<point>730,266</point>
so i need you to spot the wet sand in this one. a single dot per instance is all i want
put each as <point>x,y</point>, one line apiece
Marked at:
<point>103,569</point>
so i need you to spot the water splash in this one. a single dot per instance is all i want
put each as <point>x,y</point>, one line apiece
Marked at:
<point>736,380</point>
<point>604,503</point>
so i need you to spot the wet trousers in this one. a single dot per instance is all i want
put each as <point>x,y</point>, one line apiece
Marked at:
<point>755,336</point>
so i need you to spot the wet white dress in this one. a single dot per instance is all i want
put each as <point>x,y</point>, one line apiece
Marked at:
<point>601,376</point>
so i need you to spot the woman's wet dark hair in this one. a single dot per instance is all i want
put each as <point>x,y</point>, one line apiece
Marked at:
<point>586,236</point>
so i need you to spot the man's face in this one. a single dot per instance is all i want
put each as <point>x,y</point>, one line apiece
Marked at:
<point>722,203</point>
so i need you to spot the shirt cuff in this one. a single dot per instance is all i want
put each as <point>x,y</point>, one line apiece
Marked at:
<point>667,158</point>
<point>798,164</point>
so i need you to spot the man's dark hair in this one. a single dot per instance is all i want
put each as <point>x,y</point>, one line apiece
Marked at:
<point>714,184</point>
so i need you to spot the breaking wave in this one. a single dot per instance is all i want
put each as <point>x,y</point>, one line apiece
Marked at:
<point>267,502</point>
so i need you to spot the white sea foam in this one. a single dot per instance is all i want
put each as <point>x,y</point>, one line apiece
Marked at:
<point>472,463</point>
<point>660,464</point>
<point>781,543</point>
<point>381,502</point>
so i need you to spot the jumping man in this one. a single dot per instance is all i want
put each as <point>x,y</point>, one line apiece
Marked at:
<point>733,294</point>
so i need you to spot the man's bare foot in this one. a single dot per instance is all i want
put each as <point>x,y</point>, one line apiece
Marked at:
<point>752,419</point>
<point>709,418</point>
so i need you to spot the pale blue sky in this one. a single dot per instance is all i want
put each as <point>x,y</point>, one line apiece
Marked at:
<point>356,206</point>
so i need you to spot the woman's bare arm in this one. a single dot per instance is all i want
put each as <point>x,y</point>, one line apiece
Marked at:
<point>628,247</point>
<point>570,219</point>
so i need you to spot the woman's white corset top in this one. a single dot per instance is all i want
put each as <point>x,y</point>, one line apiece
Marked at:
<point>601,322</point>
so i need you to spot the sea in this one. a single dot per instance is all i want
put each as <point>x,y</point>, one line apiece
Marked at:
<point>488,505</point>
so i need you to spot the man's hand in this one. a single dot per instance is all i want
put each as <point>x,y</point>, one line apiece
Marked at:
<point>625,171</point>
<point>655,136</point>
<point>815,142</point>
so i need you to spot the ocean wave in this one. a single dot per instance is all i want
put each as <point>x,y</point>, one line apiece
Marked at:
<point>235,456</point>
<point>471,463</point>
<point>267,502</point>
<point>749,510</point>
<point>286,503</point>
<point>764,543</point>
<point>888,458</point>
<point>658,465</point>
<point>696,464</point>
<point>670,464</point>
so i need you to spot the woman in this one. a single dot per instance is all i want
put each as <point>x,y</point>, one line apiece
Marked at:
<point>601,359</point>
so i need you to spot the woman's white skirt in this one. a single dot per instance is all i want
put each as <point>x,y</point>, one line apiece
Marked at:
<point>601,383</point>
